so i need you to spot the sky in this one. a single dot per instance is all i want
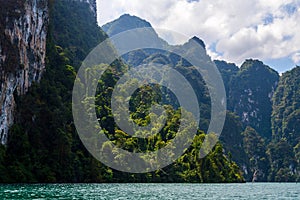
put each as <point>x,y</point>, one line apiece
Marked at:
<point>233,30</point>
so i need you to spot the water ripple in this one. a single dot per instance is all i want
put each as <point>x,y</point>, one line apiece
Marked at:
<point>249,191</point>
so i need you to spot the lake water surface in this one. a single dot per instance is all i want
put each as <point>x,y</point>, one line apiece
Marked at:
<point>152,191</point>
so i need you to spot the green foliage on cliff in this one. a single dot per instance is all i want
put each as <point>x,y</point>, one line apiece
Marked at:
<point>285,150</point>
<point>43,145</point>
<point>255,148</point>
<point>283,162</point>
<point>232,139</point>
<point>228,72</point>
<point>74,28</point>
<point>250,95</point>
<point>286,107</point>
<point>250,90</point>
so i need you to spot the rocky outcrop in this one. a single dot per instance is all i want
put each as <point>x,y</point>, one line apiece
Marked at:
<point>23,32</point>
<point>22,52</point>
<point>286,107</point>
<point>250,95</point>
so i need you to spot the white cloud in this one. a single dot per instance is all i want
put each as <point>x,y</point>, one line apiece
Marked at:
<point>296,58</point>
<point>261,29</point>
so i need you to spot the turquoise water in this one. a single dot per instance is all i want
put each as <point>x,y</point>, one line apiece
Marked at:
<point>152,191</point>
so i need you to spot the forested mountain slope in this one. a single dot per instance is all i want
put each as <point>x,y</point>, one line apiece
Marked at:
<point>43,145</point>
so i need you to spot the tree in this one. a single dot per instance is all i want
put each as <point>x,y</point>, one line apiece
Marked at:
<point>255,148</point>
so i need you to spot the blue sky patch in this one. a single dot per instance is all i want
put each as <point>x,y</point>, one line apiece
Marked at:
<point>280,64</point>
<point>268,19</point>
<point>290,8</point>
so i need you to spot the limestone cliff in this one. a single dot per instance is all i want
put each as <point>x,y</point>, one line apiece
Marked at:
<point>250,94</point>
<point>23,30</point>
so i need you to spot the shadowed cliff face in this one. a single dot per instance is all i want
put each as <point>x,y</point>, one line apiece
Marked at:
<point>250,95</point>
<point>23,33</point>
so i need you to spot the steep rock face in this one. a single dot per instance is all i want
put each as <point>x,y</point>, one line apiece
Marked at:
<point>286,107</point>
<point>23,33</point>
<point>227,71</point>
<point>22,52</point>
<point>250,96</point>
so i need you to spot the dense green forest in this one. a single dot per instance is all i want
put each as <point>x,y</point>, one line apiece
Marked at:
<point>260,131</point>
<point>260,140</point>
<point>43,145</point>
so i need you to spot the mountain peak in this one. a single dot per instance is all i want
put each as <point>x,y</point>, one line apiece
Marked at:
<point>198,40</point>
<point>256,61</point>
<point>124,23</point>
<point>191,41</point>
<point>257,65</point>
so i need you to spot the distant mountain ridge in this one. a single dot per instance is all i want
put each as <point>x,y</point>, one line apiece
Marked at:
<point>43,145</point>
<point>249,88</point>
<point>256,95</point>
<point>124,23</point>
